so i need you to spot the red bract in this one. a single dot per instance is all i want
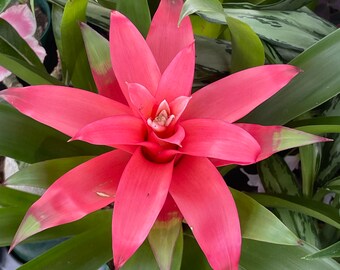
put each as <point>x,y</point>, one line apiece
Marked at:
<point>168,141</point>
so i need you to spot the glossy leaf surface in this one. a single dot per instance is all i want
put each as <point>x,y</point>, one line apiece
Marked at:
<point>73,50</point>
<point>318,83</point>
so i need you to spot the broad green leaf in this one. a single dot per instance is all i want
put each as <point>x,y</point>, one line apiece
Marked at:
<point>193,257</point>
<point>310,156</point>
<point>258,255</point>
<point>110,4</point>
<point>207,9</point>
<point>291,29</point>
<point>10,218</point>
<point>204,28</point>
<point>30,74</point>
<point>277,178</point>
<point>330,165</point>
<point>163,238</point>
<point>329,252</point>
<point>142,259</point>
<point>73,49</point>
<point>56,17</point>
<point>95,13</point>
<point>43,174</point>
<point>138,13</point>
<point>283,5</point>
<point>69,255</point>
<point>259,223</point>
<point>213,60</point>
<point>318,125</point>
<point>14,198</point>
<point>243,38</point>
<point>17,46</point>
<point>318,83</point>
<point>318,210</point>
<point>18,57</point>
<point>27,140</point>
<point>4,4</point>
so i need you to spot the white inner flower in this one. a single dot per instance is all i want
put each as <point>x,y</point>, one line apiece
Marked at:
<point>163,117</point>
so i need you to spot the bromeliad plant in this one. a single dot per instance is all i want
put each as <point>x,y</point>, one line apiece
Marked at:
<point>167,142</point>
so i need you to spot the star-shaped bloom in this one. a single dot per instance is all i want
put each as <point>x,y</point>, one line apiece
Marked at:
<point>168,142</point>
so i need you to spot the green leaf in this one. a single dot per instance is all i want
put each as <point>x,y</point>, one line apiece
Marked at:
<point>243,38</point>
<point>18,57</point>
<point>318,125</point>
<point>204,28</point>
<point>73,49</point>
<point>138,13</point>
<point>318,210</point>
<point>142,259</point>
<point>329,252</point>
<point>310,156</point>
<point>193,257</point>
<point>69,255</point>
<point>10,218</point>
<point>259,255</point>
<point>318,83</point>
<point>25,71</point>
<point>207,9</point>
<point>270,5</point>
<point>163,238</point>
<point>43,174</point>
<point>10,197</point>
<point>17,46</point>
<point>4,4</point>
<point>27,140</point>
<point>110,4</point>
<point>259,223</point>
<point>56,17</point>
<point>277,178</point>
<point>290,29</point>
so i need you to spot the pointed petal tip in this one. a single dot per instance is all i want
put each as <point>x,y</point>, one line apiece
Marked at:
<point>29,226</point>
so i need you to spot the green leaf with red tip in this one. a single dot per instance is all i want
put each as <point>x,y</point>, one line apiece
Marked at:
<point>243,38</point>
<point>98,53</point>
<point>318,210</point>
<point>73,50</point>
<point>273,139</point>
<point>43,174</point>
<point>163,238</point>
<point>138,13</point>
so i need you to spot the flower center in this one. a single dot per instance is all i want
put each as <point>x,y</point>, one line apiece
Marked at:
<point>163,117</point>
